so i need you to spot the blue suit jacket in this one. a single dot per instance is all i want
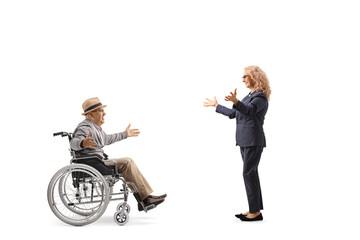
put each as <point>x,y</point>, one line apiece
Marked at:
<point>250,114</point>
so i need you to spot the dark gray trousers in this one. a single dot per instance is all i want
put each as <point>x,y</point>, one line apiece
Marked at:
<point>251,158</point>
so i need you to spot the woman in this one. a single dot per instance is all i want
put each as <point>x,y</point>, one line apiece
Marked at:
<point>249,113</point>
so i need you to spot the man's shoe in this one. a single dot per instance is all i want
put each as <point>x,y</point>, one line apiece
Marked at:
<point>150,201</point>
<point>246,219</point>
<point>158,197</point>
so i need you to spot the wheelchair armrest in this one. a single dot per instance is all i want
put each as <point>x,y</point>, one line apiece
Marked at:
<point>80,159</point>
<point>115,164</point>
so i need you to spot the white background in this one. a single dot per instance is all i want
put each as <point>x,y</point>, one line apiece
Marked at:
<point>154,63</point>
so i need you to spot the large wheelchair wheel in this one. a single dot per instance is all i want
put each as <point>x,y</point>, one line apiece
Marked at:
<point>78,194</point>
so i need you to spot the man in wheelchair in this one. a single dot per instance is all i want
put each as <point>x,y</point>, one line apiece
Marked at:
<point>89,139</point>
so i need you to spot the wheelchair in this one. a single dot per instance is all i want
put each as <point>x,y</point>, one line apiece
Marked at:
<point>79,193</point>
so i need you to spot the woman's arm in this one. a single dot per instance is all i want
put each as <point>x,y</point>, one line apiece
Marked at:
<point>253,107</point>
<point>219,108</point>
<point>231,113</point>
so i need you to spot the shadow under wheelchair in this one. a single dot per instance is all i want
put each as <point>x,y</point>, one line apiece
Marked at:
<point>79,193</point>
<point>107,220</point>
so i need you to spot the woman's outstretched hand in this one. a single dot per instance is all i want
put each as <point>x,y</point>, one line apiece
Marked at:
<point>232,97</point>
<point>211,103</point>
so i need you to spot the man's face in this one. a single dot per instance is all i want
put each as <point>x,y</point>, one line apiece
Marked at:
<point>97,116</point>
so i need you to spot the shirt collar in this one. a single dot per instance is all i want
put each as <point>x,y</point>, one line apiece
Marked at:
<point>94,124</point>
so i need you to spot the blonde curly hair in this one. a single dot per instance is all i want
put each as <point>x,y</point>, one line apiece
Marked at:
<point>260,79</point>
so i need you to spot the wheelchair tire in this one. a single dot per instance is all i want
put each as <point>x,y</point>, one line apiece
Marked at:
<point>121,218</point>
<point>78,194</point>
<point>120,207</point>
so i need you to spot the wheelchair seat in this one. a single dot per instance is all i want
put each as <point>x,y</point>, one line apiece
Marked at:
<point>96,162</point>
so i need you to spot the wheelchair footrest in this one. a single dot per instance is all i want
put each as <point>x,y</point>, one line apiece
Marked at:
<point>137,196</point>
<point>152,206</point>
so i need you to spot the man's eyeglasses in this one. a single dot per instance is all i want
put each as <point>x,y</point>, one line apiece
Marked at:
<point>100,110</point>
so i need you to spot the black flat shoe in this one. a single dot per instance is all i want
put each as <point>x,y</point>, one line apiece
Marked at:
<point>246,219</point>
<point>240,215</point>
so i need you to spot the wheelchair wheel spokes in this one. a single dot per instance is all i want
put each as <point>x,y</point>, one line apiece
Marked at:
<point>78,194</point>
<point>80,200</point>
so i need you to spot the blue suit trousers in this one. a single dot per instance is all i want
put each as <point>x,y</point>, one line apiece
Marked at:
<point>251,158</point>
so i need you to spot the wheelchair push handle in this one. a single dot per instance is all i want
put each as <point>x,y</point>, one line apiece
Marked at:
<point>63,134</point>
<point>58,133</point>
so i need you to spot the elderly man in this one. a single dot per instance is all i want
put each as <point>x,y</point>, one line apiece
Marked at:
<point>89,138</point>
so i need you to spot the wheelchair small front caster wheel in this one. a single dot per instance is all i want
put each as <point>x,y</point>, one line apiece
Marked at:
<point>121,218</point>
<point>120,207</point>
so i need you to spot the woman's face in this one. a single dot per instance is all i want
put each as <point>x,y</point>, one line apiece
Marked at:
<point>249,83</point>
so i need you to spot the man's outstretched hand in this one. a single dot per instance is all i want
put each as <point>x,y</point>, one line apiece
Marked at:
<point>132,132</point>
<point>88,142</point>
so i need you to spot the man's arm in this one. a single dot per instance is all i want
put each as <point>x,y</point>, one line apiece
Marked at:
<point>111,138</point>
<point>82,138</point>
